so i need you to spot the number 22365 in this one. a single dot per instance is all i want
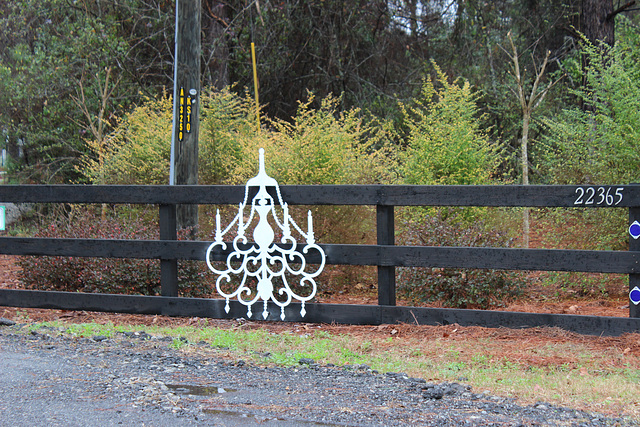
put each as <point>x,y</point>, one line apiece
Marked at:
<point>598,196</point>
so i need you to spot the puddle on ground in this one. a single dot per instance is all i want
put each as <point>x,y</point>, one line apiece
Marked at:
<point>265,420</point>
<point>198,390</point>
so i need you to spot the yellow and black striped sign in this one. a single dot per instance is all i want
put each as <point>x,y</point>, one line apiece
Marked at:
<point>181,115</point>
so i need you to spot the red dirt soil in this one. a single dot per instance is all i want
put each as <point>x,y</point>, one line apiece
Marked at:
<point>511,341</point>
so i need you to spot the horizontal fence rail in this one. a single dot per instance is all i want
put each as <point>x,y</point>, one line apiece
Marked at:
<point>385,255</point>
<point>376,255</point>
<point>567,196</point>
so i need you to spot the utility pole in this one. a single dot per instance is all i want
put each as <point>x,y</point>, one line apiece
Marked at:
<point>186,100</point>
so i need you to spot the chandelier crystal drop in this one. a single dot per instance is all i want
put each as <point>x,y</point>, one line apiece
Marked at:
<point>265,265</point>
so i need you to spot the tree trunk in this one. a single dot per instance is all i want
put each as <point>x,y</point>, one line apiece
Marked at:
<point>598,21</point>
<point>524,147</point>
<point>598,26</point>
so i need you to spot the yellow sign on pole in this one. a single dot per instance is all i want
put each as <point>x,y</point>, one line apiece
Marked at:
<point>255,83</point>
<point>181,116</point>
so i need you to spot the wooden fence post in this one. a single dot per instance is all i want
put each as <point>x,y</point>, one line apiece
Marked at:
<point>634,245</point>
<point>168,267</point>
<point>386,236</point>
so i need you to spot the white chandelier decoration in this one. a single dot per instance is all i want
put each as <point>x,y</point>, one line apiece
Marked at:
<point>260,263</point>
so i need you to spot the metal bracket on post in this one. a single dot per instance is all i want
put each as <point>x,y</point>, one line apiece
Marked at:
<point>386,274</point>
<point>257,265</point>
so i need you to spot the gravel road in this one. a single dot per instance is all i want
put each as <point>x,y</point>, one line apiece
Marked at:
<point>52,379</point>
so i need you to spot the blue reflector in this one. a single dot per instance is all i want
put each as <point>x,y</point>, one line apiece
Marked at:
<point>634,295</point>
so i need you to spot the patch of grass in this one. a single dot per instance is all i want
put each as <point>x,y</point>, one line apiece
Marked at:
<point>80,330</point>
<point>178,343</point>
<point>22,316</point>
<point>88,330</point>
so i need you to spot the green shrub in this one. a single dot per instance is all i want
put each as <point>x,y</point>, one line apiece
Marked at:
<point>325,146</point>
<point>460,288</point>
<point>598,145</point>
<point>228,138</point>
<point>319,146</point>
<point>137,151</point>
<point>446,144</point>
<point>106,275</point>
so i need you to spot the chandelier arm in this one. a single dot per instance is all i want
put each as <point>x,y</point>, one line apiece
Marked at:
<point>303,264</point>
<point>314,288</point>
<point>291,294</point>
<point>252,213</point>
<point>279,195</point>
<point>226,230</point>
<point>208,255</point>
<point>273,260</point>
<point>290,256</point>
<point>295,225</point>
<point>275,216</point>
<point>247,291</point>
<point>243,240</point>
<point>290,240</point>
<point>223,293</point>
<point>283,247</point>
<point>322,256</point>
<point>242,267</point>
<point>240,255</point>
<point>285,289</point>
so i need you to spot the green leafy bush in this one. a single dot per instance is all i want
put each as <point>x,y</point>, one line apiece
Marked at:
<point>446,144</point>
<point>228,137</point>
<point>106,275</point>
<point>137,151</point>
<point>319,146</point>
<point>460,288</point>
<point>325,146</point>
<point>598,145</point>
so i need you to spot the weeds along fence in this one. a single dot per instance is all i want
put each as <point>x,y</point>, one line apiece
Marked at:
<point>385,254</point>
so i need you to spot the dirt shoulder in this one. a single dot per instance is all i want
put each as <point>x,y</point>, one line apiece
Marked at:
<point>50,378</point>
<point>511,341</point>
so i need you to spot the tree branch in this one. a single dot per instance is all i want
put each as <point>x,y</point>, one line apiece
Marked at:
<point>621,9</point>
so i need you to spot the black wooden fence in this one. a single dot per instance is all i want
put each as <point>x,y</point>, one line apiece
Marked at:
<point>385,254</point>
